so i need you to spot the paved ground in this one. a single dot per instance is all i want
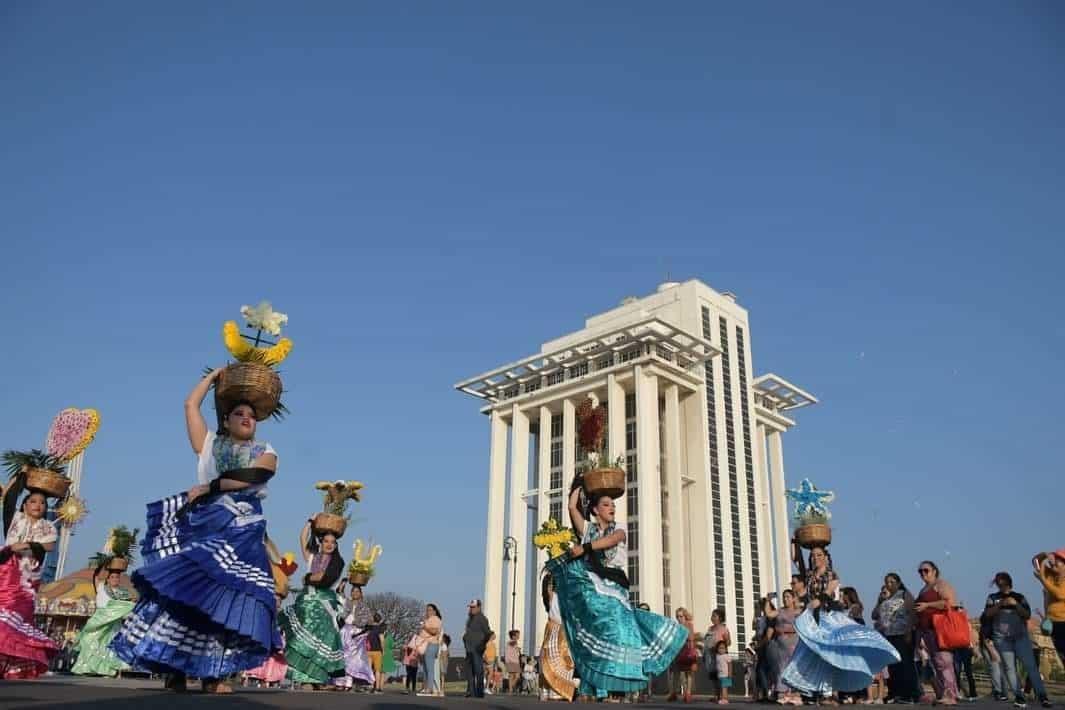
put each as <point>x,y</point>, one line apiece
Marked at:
<point>70,693</point>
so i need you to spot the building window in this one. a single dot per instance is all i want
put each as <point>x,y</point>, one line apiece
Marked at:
<point>632,506</point>
<point>532,385</point>
<point>634,572</point>
<point>510,392</point>
<point>630,469</point>
<point>556,427</point>
<point>633,536</point>
<point>630,435</point>
<point>604,362</point>
<point>734,497</point>
<point>578,370</point>
<point>630,354</point>
<point>555,509</point>
<point>748,463</point>
<point>555,377</point>
<point>715,481</point>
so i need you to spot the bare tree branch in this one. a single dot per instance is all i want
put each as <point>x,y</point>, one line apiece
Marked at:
<point>402,614</point>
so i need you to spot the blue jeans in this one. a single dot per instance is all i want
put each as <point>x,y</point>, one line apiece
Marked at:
<point>429,666</point>
<point>1019,649</point>
<point>474,673</point>
<point>994,669</point>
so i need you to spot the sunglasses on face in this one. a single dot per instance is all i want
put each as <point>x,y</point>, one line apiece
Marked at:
<point>924,570</point>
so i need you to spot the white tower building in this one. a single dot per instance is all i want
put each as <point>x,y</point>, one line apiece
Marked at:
<point>705,508</point>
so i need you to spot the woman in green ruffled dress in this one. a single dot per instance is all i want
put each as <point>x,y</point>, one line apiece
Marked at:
<point>313,646</point>
<point>113,603</point>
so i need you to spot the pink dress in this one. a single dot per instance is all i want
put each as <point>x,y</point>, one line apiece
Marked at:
<point>24,649</point>
<point>273,670</point>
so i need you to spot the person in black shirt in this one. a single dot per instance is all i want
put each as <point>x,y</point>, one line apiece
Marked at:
<point>374,632</point>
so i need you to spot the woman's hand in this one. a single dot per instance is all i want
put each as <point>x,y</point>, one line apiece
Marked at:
<point>919,607</point>
<point>213,376</point>
<point>576,551</point>
<point>19,546</point>
<point>197,491</point>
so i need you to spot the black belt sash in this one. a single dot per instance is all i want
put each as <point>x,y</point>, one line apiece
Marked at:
<point>612,574</point>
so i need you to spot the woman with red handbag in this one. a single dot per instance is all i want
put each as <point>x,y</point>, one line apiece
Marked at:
<point>936,598</point>
<point>682,671</point>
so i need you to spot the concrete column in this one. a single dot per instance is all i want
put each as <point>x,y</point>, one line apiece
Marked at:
<point>615,397</point>
<point>678,553</point>
<point>650,489</point>
<point>569,454</point>
<point>519,524</point>
<point>767,553</point>
<point>781,537</point>
<point>700,521</point>
<point>543,511</point>
<point>497,487</point>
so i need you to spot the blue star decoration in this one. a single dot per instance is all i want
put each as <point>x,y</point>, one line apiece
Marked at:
<point>809,501</point>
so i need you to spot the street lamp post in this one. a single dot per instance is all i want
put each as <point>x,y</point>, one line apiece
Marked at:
<point>510,554</point>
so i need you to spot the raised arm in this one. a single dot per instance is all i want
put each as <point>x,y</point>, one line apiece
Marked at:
<point>575,515</point>
<point>194,422</point>
<point>796,557</point>
<point>305,536</point>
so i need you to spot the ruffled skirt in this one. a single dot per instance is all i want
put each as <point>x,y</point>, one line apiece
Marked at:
<point>836,654</point>
<point>313,649</point>
<point>357,666</point>
<point>615,648</point>
<point>556,664</point>
<point>273,671</point>
<point>207,605</point>
<point>25,650</point>
<point>94,654</point>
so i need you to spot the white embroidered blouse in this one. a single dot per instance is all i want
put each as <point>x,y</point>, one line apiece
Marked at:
<point>26,529</point>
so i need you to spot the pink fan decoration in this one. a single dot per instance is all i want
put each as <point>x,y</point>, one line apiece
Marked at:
<point>72,430</point>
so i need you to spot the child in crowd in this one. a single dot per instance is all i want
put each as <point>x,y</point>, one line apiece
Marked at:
<point>724,672</point>
<point>410,662</point>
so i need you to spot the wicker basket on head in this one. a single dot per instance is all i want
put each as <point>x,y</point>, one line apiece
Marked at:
<point>329,523</point>
<point>360,579</point>
<point>813,535</point>
<point>605,482</point>
<point>250,382</point>
<point>48,482</point>
<point>118,564</point>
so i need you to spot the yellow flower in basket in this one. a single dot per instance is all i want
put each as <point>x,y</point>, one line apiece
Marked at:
<point>244,351</point>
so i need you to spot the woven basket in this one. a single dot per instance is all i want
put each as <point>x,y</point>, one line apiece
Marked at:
<point>814,535</point>
<point>250,382</point>
<point>48,482</point>
<point>360,579</point>
<point>329,523</point>
<point>118,564</point>
<point>605,482</point>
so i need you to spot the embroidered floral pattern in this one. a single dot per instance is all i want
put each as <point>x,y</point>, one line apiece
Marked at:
<point>229,455</point>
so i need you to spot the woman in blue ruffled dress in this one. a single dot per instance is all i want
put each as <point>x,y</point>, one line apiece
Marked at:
<point>616,648</point>
<point>833,652</point>
<point>206,589</point>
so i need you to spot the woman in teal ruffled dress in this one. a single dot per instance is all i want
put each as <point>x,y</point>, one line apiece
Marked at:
<point>616,648</point>
<point>113,604</point>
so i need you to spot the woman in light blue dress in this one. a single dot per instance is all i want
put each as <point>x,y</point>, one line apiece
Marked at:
<point>616,648</point>
<point>833,653</point>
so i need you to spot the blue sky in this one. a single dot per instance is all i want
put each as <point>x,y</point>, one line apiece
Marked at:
<point>429,190</point>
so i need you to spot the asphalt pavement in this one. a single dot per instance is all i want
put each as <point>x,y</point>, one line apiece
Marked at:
<point>75,693</point>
